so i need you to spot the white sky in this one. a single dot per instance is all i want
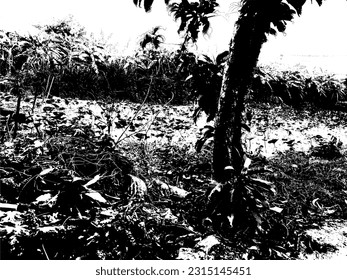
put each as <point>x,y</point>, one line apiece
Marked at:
<point>318,32</point>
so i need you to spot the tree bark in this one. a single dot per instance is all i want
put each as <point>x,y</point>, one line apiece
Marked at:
<point>244,53</point>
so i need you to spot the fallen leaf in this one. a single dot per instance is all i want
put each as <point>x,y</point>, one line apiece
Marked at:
<point>276,209</point>
<point>207,243</point>
<point>96,196</point>
<point>92,181</point>
<point>46,171</point>
<point>137,187</point>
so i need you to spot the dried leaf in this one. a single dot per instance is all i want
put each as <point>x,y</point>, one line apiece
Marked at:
<point>168,190</point>
<point>263,183</point>
<point>247,163</point>
<point>231,220</point>
<point>277,209</point>
<point>188,78</point>
<point>96,196</point>
<point>167,215</point>
<point>178,192</point>
<point>207,243</point>
<point>46,171</point>
<point>272,141</point>
<point>246,127</point>
<point>138,187</point>
<point>75,179</point>
<point>51,230</point>
<point>190,254</point>
<point>229,167</point>
<point>316,204</point>
<point>38,143</point>
<point>215,191</point>
<point>92,181</point>
<point>8,207</point>
<point>43,198</point>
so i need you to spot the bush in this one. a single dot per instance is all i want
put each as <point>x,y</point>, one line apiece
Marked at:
<point>64,62</point>
<point>295,87</point>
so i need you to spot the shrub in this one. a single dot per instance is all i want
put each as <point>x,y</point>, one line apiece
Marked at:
<point>295,87</point>
<point>63,61</point>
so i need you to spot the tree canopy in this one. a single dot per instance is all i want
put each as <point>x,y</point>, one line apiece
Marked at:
<point>194,15</point>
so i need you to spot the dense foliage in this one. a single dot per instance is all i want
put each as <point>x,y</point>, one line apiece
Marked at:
<point>80,194</point>
<point>62,60</point>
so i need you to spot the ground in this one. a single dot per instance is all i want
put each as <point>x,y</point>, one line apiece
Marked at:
<point>131,171</point>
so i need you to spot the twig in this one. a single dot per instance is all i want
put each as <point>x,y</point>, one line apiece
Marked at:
<point>16,117</point>
<point>136,114</point>
<point>48,89</point>
<point>150,123</point>
<point>44,251</point>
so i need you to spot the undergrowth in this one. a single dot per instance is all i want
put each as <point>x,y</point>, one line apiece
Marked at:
<point>310,191</point>
<point>155,225</point>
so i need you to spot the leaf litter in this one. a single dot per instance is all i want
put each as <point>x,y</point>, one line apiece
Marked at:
<point>121,183</point>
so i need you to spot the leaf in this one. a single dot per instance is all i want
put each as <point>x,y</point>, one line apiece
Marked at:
<point>272,141</point>
<point>246,127</point>
<point>43,198</point>
<point>231,219</point>
<point>46,171</point>
<point>167,215</point>
<point>208,132</point>
<point>316,204</point>
<point>95,196</point>
<point>137,187</point>
<point>222,57</point>
<point>329,211</point>
<point>276,209</point>
<point>217,189</point>
<point>260,169</point>
<point>46,200</point>
<point>189,77</point>
<point>297,4</point>
<point>92,181</point>
<point>8,144</point>
<point>264,184</point>
<point>190,254</point>
<point>289,142</point>
<point>38,143</point>
<point>257,219</point>
<point>229,167</point>
<point>51,230</point>
<point>8,207</point>
<point>148,5</point>
<point>247,163</point>
<point>207,243</point>
<point>178,192</point>
<point>75,179</point>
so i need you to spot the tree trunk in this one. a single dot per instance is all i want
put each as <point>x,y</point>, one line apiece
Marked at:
<point>244,54</point>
